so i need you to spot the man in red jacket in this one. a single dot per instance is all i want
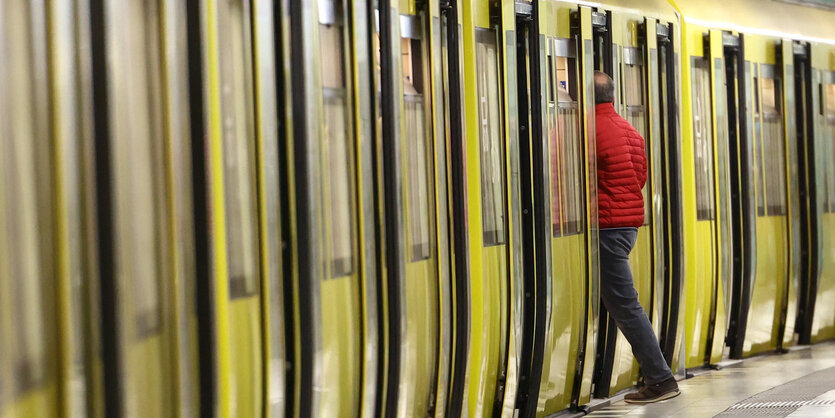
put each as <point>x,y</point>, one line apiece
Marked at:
<point>621,174</point>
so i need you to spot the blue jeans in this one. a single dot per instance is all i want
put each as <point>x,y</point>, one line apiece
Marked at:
<point>621,300</point>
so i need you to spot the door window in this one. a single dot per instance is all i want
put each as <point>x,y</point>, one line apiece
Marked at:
<point>567,215</point>
<point>703,139</point>
<point>338,150</point>
<point>416,136</point>
<point>491,138</point>
<point>238,130</point>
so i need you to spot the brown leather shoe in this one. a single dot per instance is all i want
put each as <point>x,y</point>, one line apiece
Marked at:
<point>654,393</point>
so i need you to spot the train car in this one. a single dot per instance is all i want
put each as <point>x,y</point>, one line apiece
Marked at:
<point>389,208</point>
<point>758,232</point>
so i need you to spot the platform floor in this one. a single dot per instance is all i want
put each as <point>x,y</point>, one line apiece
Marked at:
<point>800,383</point>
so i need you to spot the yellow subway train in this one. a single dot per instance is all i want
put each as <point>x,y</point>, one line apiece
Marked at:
<point>341,208</point>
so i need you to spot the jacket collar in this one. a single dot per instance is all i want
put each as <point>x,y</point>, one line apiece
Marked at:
<point>604,109</point>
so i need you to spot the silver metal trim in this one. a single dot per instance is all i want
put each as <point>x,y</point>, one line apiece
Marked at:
<point>411,27</point>
<point>516,288</point>
<point>438,44</point>
<point>312,127</point>
<point>767,71</point>
<point>565,48</point>
<point>330,12</point>
<point>267,111</point>
<point>800,48</point>
<point>598,19</point>
<point>364,63</point>
<point>729,39</point>
<point>662,30</point>
<point>633,56</point>
<point>523,8</point>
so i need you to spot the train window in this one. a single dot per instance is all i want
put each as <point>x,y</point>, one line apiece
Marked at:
<point>759,162</point>
<point>140,220</point>
<point>490,129</point>
<point>235,47</point>
<point>774,151</point>
<point>566,154</point>
<point>830,120</point>
<point>633,97</point>
<point>830,101</point>
<point>337,137</point>
<point>703,139</point>
<point>416,136</point>
<point>556,180</point>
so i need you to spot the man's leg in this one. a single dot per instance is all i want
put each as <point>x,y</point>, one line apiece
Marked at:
<point>621,301</point>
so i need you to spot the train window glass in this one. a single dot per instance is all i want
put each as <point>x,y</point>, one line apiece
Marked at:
<point>137,148</point>
<point>703,139</point>
<point>759,162</point>
<point>633,92</point>
<point>570,147</point>
<point>26,215</point>
<point>830,100</point>
<point>554,151</point>
<point>238,133</point>
<point>491,137</point>
<point>417,141</point>
<point>830,121</point>
<point>773,147</point>
<point>338,150</point>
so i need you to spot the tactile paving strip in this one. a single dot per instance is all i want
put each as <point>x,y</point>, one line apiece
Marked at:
<point>785,399</point>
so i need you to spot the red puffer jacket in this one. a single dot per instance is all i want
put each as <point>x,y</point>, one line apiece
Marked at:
<point>621,170</point>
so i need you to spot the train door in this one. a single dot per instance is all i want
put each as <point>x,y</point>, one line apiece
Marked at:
<point>412,132</point>
<point>534,236</point>
<point>331,271</point>
<point>822,326</point>
<point>740,128</point>
<point>664,72</point>
<point>788,291</point>
<point>630,45</point>
<point>709,218</point>
<point>810,174</point>
<point>555,177</point>
<point>583,28</point>
<point>144,200</point>
<point>235,131</point>
<point>721,235</point>
<point>452,56</point>
<point>757,121</point>
<point>489,42</point>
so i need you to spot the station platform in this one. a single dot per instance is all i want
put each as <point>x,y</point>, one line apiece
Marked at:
<point>800,383</point>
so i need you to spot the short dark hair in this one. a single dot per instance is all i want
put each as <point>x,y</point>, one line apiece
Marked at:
<point>604,88</point>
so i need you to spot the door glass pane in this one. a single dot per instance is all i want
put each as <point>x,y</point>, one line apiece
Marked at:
<point>828,97</point>
<point>633,97</point>
<point>337,148</point>
<point>703,139</point>
<point>238,147</point>
<point>773,146</point>
<point>139,190</point>
<point>553,146</point>
<point>491,137</point>
<point>566,149</point>
<point>759,160</point>
<point>416,136</point>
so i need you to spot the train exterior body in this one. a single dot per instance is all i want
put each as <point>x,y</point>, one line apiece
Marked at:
<point>360,208</point>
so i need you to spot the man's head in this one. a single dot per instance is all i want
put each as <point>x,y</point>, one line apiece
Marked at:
<point>604,88</point>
